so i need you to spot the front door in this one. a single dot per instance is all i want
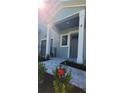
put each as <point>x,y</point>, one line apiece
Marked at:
<point>43,47</point>
<point>51,48</point>
<point>73,45</point>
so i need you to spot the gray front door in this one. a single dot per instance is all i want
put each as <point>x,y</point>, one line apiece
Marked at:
<point>43,47</point>
<point>73,45</point>
<point>51,48</point>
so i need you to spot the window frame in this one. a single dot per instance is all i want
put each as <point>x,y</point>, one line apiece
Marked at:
<point>62,39</point>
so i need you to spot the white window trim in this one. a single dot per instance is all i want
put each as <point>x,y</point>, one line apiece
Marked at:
<point>66,17</point>
<point>67,40</point>
<point>43,39</point>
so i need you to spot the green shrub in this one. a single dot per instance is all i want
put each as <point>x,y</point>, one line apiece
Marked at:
<point>47,57</point>
<point>41,58</point>
<point>41,71</point>
<point>61,85</point>
<point>74,64</point>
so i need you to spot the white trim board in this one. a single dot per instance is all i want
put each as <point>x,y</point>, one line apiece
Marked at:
<point>59,20</point>
<point>65,6</point>
<point>45,39</point>
<point>42,40</point>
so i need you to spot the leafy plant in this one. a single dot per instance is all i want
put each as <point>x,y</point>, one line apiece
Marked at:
<point>41,71</point>
<point>41,58</point>
<point>61,84</point>
<point>47,57</point>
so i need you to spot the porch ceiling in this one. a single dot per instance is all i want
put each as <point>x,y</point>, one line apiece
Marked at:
<point>68,23</point>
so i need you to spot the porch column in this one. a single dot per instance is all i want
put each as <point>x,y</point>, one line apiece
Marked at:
<point>81,37</point>
<point>48,41</point>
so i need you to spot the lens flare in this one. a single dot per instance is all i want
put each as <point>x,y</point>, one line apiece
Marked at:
<point>41,4</point>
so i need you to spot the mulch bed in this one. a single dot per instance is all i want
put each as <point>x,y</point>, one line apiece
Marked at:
<point>47,86</point>
<point>41,59</point>
<point>75,65</point>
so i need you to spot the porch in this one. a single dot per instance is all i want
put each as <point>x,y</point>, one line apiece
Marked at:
<point>65,38</point>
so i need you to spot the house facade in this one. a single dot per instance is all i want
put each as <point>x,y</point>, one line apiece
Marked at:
<point>64,34</point>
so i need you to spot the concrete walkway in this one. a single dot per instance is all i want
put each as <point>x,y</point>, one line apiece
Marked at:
<point>52,64</point>
<point>78,76</point>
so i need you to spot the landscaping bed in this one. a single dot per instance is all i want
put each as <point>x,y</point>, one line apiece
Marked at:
<point>41,58</point>
<point>47,86</point>
<point>74,64</point>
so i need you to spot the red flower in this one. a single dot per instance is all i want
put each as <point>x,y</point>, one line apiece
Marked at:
<point>61,72</point>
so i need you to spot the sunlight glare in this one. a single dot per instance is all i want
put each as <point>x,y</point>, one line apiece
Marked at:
<point>41,4</point>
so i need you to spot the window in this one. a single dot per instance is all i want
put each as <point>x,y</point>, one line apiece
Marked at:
<point>64,41</point>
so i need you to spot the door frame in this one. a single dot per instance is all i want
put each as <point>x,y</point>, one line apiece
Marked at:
<point>72,32</point>
<point>51,46</point>
<point>42,40</point>
<point>71,46</point>
<point>46,41</point>
<point>41,43</point>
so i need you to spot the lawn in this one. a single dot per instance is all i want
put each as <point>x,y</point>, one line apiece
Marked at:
<point>47,86</point>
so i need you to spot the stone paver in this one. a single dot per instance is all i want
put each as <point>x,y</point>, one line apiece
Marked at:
<point>78,76</point>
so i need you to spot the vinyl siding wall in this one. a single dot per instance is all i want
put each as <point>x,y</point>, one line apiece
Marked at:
<point>41,35</point>
<point>63,51</point>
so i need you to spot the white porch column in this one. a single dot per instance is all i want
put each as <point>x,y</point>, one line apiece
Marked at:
<point>48,41</point>
<point>81,37</point>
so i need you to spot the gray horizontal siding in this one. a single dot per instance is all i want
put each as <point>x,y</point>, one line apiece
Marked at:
<point>62,52</point>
